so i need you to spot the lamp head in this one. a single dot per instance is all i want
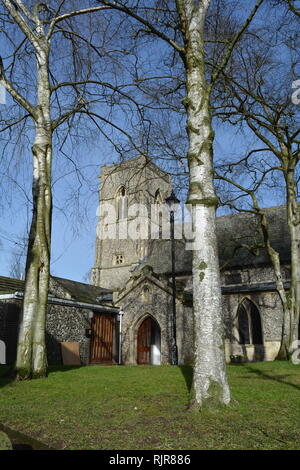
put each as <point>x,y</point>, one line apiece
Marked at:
<point>172,201</point>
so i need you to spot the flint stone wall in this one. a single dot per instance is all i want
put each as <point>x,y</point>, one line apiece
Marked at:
<point>64,323</point>
<point>159,306</point>
<point>271,315</point>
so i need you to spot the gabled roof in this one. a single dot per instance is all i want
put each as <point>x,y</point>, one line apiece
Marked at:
<point>9,285</point>
<point>146,274</point>
<point>233,233</point>
<point>83,292</point>
<point>66,289</point>
<point>244,229</point>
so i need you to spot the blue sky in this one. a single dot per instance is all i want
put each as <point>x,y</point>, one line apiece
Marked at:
<point>73,245</point>
<point>74,228</point>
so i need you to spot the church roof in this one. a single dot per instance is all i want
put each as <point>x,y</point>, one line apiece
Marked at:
<point>83,292</point>
<point>77,291</point>
<point>9,285</point>
<point>234,233</point>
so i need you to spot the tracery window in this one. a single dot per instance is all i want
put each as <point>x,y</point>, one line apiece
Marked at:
<point>121,202</point>
<point>249,323</point>
<point>157,213</point>
<point>158,197</point>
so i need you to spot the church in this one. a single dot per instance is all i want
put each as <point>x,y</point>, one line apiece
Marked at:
<point>137,266</point>
<point>142,277</point>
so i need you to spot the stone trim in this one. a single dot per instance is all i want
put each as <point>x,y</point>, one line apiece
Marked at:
<point>266,286</point>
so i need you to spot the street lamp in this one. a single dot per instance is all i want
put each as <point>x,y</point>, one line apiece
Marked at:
<point>121,313</point>
<point>172,203</point>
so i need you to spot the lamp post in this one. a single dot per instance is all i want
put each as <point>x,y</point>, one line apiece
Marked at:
<point>172,202</point>
<point>121,313</point>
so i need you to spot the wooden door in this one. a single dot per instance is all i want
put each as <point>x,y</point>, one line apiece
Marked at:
<point>102,338</point>
<point>144,342</point>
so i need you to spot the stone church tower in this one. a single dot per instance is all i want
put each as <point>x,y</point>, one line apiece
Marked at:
<point>119,247</point>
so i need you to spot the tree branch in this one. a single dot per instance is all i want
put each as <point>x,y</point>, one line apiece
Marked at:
<point>140,19</point>
<point>20,21</point>
<point>18,97</point>
<point>71,14</point>
<point>237,37</point>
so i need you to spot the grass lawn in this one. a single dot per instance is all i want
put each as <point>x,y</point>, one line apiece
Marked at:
<point>144,407</point>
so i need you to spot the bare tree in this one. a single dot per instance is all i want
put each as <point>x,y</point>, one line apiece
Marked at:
<point>234,193</point>
<point>55,71</point>
<point>18,259</point>
<point>256,93</point>
<point>180,26</point>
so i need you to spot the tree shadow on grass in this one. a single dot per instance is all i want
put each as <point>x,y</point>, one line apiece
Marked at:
<point>21,441</point>
<point>54,357</point>
<point>6,375</point>
<point>187,372</point>
<point>275,378</point>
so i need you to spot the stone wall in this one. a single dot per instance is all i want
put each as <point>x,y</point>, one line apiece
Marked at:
<point>251,274</point>
<point>64,323</point>
<point>9,324</point>
<point>270,310</point>
<point>141,180</point>
<point>153,297</point>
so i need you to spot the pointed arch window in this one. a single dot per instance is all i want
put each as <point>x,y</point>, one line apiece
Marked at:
<point>157,197</point>
<point>158,200</point>
<point>249,323</point>
<point>122,203</point>
<point>146,295</point>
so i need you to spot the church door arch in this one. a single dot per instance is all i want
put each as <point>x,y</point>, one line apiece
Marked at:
<point>148,342</point>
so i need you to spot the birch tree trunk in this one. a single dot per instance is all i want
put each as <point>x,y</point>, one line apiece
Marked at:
<point>293,219</point>
<point>284,297</point>
<point>31,354</point>
<point>37,23</point>
<point>210,386</point>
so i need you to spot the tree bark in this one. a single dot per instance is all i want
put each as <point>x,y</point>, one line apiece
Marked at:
<point>210,386</point>
<point>31,354</point>
<point>293,219</point>
<point>275,260</point>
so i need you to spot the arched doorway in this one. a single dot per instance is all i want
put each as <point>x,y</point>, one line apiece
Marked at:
<point>148,342</point>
